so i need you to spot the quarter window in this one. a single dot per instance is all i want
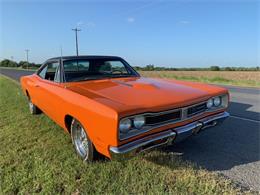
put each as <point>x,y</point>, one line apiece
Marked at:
<point>43,72</point>
<point>49,72</point>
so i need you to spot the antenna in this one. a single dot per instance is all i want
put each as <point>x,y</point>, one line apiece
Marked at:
<point>61,64</point>
<point>61,51</point>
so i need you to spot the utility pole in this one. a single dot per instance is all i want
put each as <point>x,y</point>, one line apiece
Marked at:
<point>76,34</point>
<point>27,51</point>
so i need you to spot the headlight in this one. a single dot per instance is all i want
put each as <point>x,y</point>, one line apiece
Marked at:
<point>125,125</point>
<point>217,101</point>
<point>139,121</point>
<point>210,103</point>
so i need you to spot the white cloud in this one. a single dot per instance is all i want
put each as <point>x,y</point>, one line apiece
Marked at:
<point>86,24</point>
<point>184,22</point>
<point>131,19</point>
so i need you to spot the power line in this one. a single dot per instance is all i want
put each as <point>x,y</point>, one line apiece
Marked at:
<point>76,34</point>
<point>27,58</point>
<point>27,51</point>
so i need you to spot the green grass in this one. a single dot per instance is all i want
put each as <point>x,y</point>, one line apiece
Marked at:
<point>36,156</point>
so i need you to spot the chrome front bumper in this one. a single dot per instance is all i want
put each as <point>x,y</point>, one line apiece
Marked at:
<point>166,137</point>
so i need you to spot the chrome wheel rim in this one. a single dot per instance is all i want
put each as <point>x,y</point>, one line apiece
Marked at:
<point>31,106</point>
<point>80,140</point>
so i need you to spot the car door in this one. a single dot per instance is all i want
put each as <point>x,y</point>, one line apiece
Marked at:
<point>49,90</point>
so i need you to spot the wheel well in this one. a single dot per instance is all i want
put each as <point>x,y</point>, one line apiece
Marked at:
<point>68,120</point>
<point>27,93</point>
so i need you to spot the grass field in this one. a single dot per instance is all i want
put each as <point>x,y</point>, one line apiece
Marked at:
<point>239,78</point>
<point>38,157</point>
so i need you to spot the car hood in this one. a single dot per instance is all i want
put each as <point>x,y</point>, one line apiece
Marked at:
<point>146,93</point>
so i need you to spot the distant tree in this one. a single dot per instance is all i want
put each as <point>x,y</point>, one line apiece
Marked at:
<point>4,63</point>
<point>137,68</point>
<point>23,64</point>
<point>214,68</point>
<point>8,63</point>
<point>149,67</point>
<point>228,69</point>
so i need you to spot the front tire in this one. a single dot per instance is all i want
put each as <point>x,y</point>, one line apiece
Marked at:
<point>82,144</point>
<point>33,109</point>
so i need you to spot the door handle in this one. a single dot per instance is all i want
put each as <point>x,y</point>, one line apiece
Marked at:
<point>33,84</point>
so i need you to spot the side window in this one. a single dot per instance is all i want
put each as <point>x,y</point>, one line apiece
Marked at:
<point>43,72</point>
<point>76,65</point>
<point>74,69</point>
<point>49,72</point>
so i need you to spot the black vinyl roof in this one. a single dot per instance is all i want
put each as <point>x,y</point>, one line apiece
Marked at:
<point>85,57</point>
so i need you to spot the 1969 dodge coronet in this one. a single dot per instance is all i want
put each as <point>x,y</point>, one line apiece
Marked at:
<point>109,109</point>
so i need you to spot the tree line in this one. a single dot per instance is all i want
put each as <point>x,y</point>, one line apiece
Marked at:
<point>211,68</point>
<point>21,64</point>
<point>24,64</point>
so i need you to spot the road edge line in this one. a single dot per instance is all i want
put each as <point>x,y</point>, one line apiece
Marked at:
<point>10,79</point>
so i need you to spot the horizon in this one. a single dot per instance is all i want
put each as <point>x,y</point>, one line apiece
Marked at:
<point>144,66</point>
<point>169,34</point>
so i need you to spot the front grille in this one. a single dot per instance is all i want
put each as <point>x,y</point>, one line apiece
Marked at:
<point>176,115</point>
<point>172,116</point>
<point>199,108</point>
<point>159,119</point>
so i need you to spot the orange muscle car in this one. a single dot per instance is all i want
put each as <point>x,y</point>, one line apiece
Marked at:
<point>109,109</point>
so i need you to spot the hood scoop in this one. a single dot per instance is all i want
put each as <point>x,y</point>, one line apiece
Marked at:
<point>135,85</point>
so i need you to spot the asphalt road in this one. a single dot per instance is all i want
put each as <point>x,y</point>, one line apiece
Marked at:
<point>232,149</point>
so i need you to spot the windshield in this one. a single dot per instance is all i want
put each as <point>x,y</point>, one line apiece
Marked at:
<point>79,70</point>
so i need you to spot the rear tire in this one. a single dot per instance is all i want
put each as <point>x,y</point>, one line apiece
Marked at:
<point>82,144</point>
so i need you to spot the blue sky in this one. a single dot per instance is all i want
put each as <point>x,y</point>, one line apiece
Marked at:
<point>165,33</point>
